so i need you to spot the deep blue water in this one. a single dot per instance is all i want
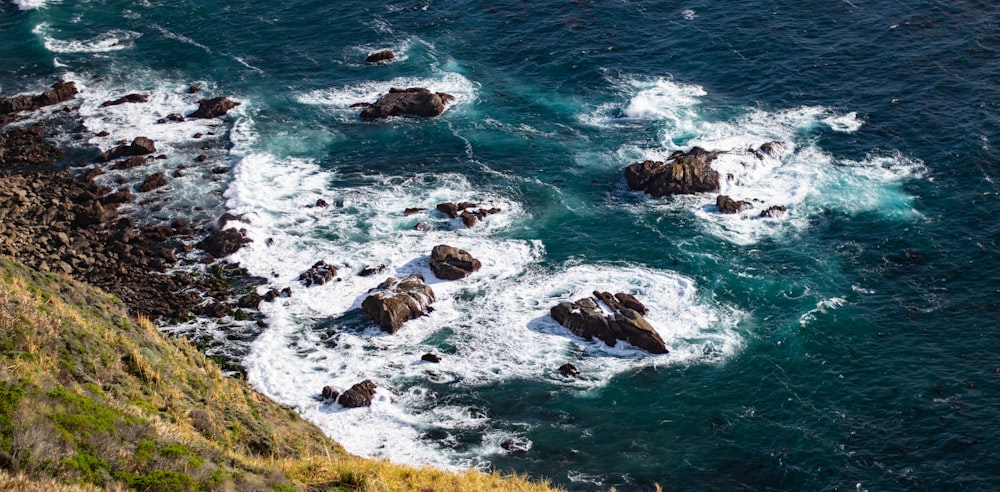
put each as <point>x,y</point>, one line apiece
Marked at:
<point>853,343</point>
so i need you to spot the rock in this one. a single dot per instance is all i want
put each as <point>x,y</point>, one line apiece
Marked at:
<point>176,117</point>
<point>727,205</point>
<point>220,170</point>
<point>194,89</point>
<point>222,242</point>
<point>368,271</point>
<point>129,98</point>
<point>329,393</point>
<point>61,91</point>
<point>271,295</point>
<point>773,149</point>
<point>360,395</point>
<point>464,210</point>
<point>380,56</point>
<point>684,173</point>
<point>139,146</point>
<point>586,319</point>
<point>513,447</point>
<point>27,147</point>
<point>153,182</point>
<point>775,212</point>
<point>319,274</point>
<point>411,102</point>
<point>131,162</point>
<point>570,370</point>
<point>448,208</point>
<point>250,301</point>
<point>213,108</point>
<point>430,358</point>
<point>395,302</point>
<point>322,203</point>
<point>121,196</point>
<point>413,210</point>
<point>422,227</point>
<point>450,263</point>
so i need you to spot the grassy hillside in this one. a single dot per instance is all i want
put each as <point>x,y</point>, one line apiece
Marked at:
<point>90,397</point>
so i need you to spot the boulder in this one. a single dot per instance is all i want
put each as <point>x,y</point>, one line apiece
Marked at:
<point>360,395</point>
<point>329,393</point>
<point>128,98</point>
<point>61,91</point>
<point>414,101</point>
<point>250,301</point>
<point>139,146</point>
<point>222,242</point>
<point>431,358</point>
<point>318,274</point>
<point>380,56</point>
<point>131,162</point>
<point>213,108</point>
<point>153,182</point>
<point>727,205</point>
<point>586,318</point>
<point>413,210</point>
<point>368,271</point>
<point>775,212</point>
<point>684,173</point>
<point>450,263</point>
<point>465,210</point>
<point>570,370</point>
<point>396,301</point>
<point>773,149</point>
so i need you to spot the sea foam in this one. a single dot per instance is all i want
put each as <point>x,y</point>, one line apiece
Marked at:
<point>112,40</point>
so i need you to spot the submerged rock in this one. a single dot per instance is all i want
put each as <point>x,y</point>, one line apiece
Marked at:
<point>587,319</point>
<point>415,101</point>
<point>380,56</point>
<point>396,301</point>
<point>128,98</point>
<point>570,370</point>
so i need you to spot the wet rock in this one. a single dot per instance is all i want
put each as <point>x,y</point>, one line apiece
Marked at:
<point>368,271</point>
<point>318,274</point>
<point>117,197</point>
<point>153,182</point>
<point>380,56</point>
<point>250,301</point>
<point>413,210</point>
<point>775,212</point>
<point>359,395</point>
<point>128,98</point>
<point>570,370</point>
<point>321,203</point>
<point>430,358</point>
<point>139,146</point>
<point>684,173</point>
<point>586,319</point>
<point>727,205</point>
<point>513,447</point>
<point>60,92</point>
<point>414,101</point>
<point>450,263</point>
<point>773,149</point>
<point>131,162</point>
<point>222,242</point>
<point>467,211</point>
<point>213,108</point>
<point>329,393</point>
<point>396,301</point>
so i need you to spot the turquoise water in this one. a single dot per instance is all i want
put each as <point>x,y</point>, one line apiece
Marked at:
<point>851,343</point>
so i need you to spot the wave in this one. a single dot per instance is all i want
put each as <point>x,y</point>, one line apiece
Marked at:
<point>30,4</point>
<point>112,40</point>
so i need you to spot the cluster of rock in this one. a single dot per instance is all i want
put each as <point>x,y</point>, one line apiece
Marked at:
<point>396,301</point>
<point>359,395</point>
<point>414,101</point>
<point>620,319</point>
<point>10,106</point>
<point>691,172</point>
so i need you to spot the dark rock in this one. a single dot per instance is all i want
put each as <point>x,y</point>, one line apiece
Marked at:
<point>360,395</point>
<point>430,358</point>
<point>61,91</point>
<point>153,182</point>
<point>121,196</point>
<point>131,162</point>
<point>775,212</point>
<point>103,133</point>
<point>271,295</point>
<point>322,203</point>
<point>213,108</point>
<point>201,158</point>
<point>380,56</point>
<point>129,98</point>
<point>216,309</point>
<point>422,227</point>
<point>175,117</point>
<point>329,393</point>
<point>586,319</point>
<point>773,149</point>
<point>727,205</point>
<point>220,170</point>
<point>448,208</point>
<point>412,102</point>
<point>513,447</point>
<point>359,105</point>
<point>194,89</point>
<point>414,210</point>
<point>395,302</point>
<point>222,242</point>
<point>139,146</point>
<point>684,173</point>
<point>450,263</point>
<point>250,301</point>
<point>471,217</point>
<point>570,370</point>
<point>319,274</point>
<point>368,271</point>
<point>197,135</point>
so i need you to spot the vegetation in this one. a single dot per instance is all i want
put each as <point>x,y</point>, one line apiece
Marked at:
<point>92,399</point>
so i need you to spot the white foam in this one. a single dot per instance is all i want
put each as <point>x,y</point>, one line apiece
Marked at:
<point>340,99</point>
<point>804,178</point>
<point>30,4</point>
<point>113,40</point>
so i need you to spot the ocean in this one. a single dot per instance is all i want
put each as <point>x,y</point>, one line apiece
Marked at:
<point>852,343</point>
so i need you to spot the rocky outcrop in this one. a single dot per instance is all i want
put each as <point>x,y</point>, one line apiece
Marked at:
<point>414,101</point>
<point>684,173</point>
<point>222,242</point>
<point>396,301</point>
<point>585,318</point>
<point>60,92</point>
<point>569,370</point>
<point>330,393</point>
<point>27,147</point>
<point>470,212</point>
<point>727,205</point>
<point>774,212</point>
<point>318,274</point>
<point>153,182</point>
<point>359,395</point>
<point>128,98</point>
<point>139,146</point>
<point>431,358</point>
<point>213,108</point>
<point>450,263</point>
<point>380,56</point>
